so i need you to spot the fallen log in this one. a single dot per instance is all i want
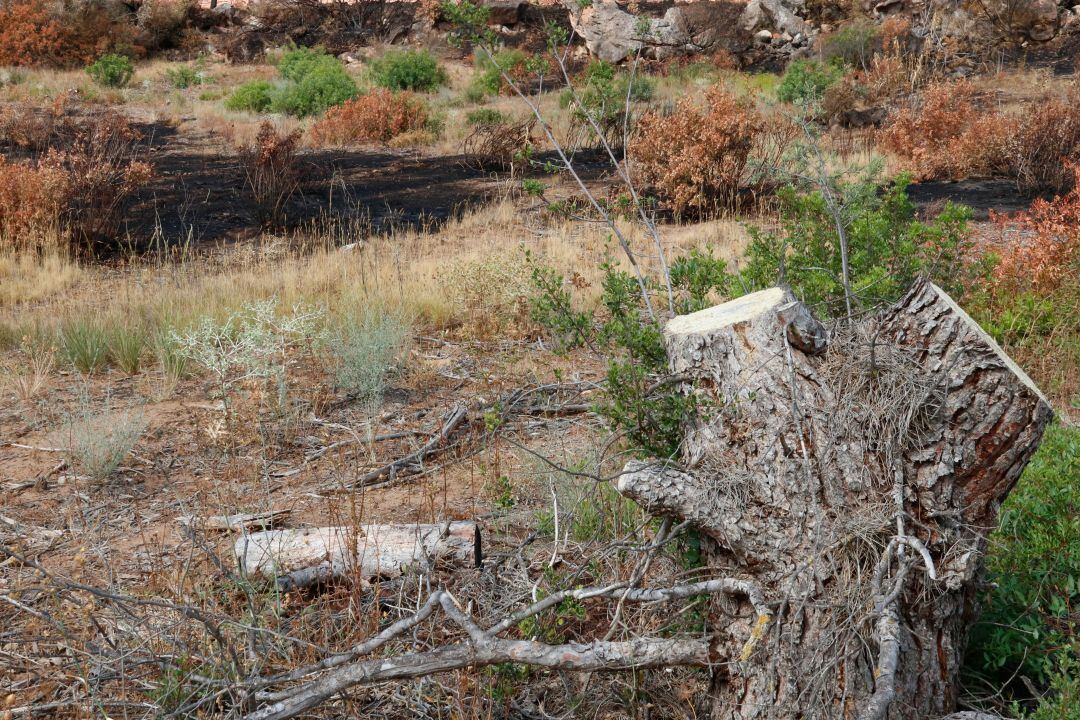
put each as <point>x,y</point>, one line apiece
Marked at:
<point>298,558</point>
<point>236,521</point>
<point>854,475</point>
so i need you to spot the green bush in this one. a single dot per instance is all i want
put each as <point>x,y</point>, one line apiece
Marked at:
<point>415,70</point>
<point>887,246</point>
<point>254,96</point>
<point>852,44</point>
<point>650,419</point>
<point>519,65</point>
<point>300,62</point>
<point>486,117</point>
<point>313,82</point>
<point>321,88</point>
<point>184,76</point>
<point>111,71</point>
<point>805,81</point>
<point>1030,621</point>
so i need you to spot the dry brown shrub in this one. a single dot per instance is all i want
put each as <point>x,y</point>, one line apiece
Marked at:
<point>699,159</point>
<point>271,169</point>
<point>31,204</point>
<point>948,137</point>
<point>1036,148</point>
<point>924,134</point>
<point>79,187</point>
<point>377,117</point>
<point>29,35</point>
<point>1045,254</point>
<point>105,167</point>
<point>841,99</point>
<point>161,22</point>
<point>895,33</point>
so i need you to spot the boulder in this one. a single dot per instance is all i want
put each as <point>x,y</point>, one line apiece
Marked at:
<point>503,12</point>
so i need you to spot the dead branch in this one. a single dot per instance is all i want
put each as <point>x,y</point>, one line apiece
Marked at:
<point>484,647</point>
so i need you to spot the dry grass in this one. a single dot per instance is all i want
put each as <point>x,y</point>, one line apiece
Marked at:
<point>408,270</point>
<point>30,278</point>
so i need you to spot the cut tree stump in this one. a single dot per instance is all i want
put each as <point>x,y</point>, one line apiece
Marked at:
<point>854,475</point>
<point>303,557</point>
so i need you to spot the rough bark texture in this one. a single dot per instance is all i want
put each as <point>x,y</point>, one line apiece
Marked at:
<point>856,482</point>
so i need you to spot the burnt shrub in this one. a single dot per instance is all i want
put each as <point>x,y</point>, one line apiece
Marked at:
<point>271,168</point>
<point>698,159</point>
<point>377,117</point>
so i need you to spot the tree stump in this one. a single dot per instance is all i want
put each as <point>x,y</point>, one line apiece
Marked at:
<point>854,475</point>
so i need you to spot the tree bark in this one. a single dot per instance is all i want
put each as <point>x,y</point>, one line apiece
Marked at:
<point>854,477</point>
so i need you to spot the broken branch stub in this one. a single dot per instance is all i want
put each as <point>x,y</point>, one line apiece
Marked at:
<point>814,462</point>
<point>303,557</point>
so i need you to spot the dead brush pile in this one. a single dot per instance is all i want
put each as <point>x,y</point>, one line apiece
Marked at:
<point>945,135</point>
<point>501,145</point>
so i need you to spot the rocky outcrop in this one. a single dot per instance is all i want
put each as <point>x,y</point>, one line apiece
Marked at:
<point>612,33</point>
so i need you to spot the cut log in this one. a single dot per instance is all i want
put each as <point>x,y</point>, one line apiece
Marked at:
<point>854,476</point>
<point>303,557</point>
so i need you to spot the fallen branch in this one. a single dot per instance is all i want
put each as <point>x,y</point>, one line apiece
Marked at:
<point>483,647</point>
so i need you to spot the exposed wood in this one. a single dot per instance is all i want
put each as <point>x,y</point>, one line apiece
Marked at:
<point>813,464</point>
<point>304,557</point>
<point>236,521</point>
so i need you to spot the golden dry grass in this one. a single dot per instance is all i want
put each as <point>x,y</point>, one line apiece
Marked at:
<point>426,274</point>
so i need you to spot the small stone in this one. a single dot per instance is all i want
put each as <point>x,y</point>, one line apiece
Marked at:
<point>763,36</point>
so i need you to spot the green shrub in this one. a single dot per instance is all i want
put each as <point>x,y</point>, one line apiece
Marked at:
<point>486,117</point>
<point>322,88</point>
<point>1029,623</point>
<point>297,63</point>
<point>313,82</point>
<point>184,76</point>
<point>651,420</point>
<point>805,81</point>
<point>852,45</point>
<point>519,65</point>
<point>366,347</point>
<point>415,70</point>
<point>252,96</point>
<point>111,71</point>
<point>602,96</point>
<point>887,247</point>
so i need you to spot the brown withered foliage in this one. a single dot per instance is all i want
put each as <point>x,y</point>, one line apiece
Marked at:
<point>77,188</point>
<point>501,146</point>
<point>699,159</point>
<point>377,117</point>
<point>947,136</point>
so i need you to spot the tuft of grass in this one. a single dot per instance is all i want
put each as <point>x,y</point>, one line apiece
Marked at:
<point>99,442</point>
<point>126,342</point>
<point>171,359</point>
<point>84,343</point>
